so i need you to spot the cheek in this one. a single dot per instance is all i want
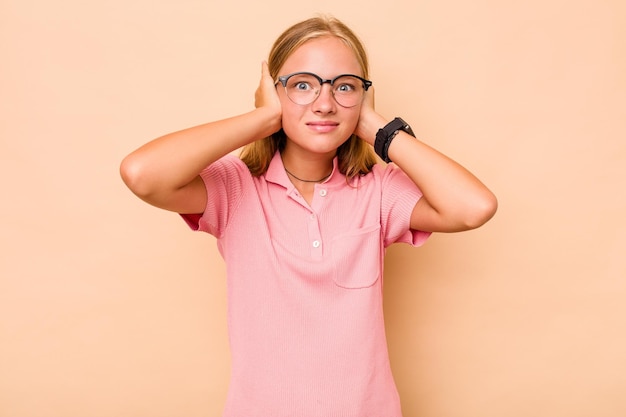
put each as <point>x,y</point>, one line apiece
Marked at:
<point>352,117</point>
<point>292,113</point>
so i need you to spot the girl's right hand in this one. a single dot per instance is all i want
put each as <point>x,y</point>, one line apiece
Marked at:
<point>266,95</point>
<point>165,171</point>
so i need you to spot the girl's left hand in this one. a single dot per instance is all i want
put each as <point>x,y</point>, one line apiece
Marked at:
<point>369,120</point>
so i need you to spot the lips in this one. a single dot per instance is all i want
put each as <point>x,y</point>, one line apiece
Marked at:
<point>322,126</point>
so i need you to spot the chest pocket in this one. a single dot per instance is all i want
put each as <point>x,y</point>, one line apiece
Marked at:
<point>357,258</point>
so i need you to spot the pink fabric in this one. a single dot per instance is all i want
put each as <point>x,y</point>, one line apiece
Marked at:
<point>305,312</point>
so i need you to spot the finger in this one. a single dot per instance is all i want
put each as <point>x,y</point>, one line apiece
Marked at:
<point>369,98</point>
<point>265,70</point>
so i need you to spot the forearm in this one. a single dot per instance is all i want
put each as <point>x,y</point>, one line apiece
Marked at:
<point>454,199</point>
<point>174,160</point>
<point>459,199</point>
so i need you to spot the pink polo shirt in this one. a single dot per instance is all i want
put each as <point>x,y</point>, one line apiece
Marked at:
<point>305,311</point>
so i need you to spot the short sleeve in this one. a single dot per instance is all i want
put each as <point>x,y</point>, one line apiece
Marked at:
<point>399,197</point>
<point>224,181</point>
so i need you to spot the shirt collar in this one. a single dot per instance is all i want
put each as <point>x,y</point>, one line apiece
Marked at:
<point>277,175</point>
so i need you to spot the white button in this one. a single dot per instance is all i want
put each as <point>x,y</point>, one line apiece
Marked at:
<point>323,193</point>
<point>316,243</point>
<point>312,216</point>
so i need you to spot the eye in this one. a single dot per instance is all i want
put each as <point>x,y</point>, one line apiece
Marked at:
<point>302,83</point>
<point>347,84</point>
<point>301,86</point>
<point>345,88</point>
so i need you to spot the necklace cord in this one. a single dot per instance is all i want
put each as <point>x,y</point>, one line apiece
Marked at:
<point>300,179</point>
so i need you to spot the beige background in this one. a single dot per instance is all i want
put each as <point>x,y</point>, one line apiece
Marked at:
<point>109,307</point>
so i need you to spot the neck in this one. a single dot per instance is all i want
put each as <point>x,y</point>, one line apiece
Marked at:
<point>306,180</point>
<point>307,170</point>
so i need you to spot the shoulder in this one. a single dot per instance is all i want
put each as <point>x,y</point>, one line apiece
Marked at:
<point>226,169</point>
<point>229,162</point>
<point>381,173</point>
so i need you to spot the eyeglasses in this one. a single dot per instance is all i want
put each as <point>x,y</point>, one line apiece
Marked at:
<point>304,87</point>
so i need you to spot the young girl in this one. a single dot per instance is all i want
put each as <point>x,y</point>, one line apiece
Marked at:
<point>302,218</point>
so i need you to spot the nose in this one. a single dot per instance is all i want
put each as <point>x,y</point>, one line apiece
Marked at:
<point>325,101</point>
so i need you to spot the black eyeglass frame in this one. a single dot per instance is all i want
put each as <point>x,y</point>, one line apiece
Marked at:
<point>284,78</point>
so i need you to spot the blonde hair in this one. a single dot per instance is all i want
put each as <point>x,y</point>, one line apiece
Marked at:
<point>355,156</point>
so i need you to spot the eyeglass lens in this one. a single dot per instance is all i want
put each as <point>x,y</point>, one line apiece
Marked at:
<point>304,88</point>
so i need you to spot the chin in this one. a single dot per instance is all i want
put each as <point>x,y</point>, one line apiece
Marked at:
<point>317,143</point>
<point>323,145</point>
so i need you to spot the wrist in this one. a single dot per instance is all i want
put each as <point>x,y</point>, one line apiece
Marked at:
<point>269,119</point>
<point>387,134</point>
<point>369,125</point>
